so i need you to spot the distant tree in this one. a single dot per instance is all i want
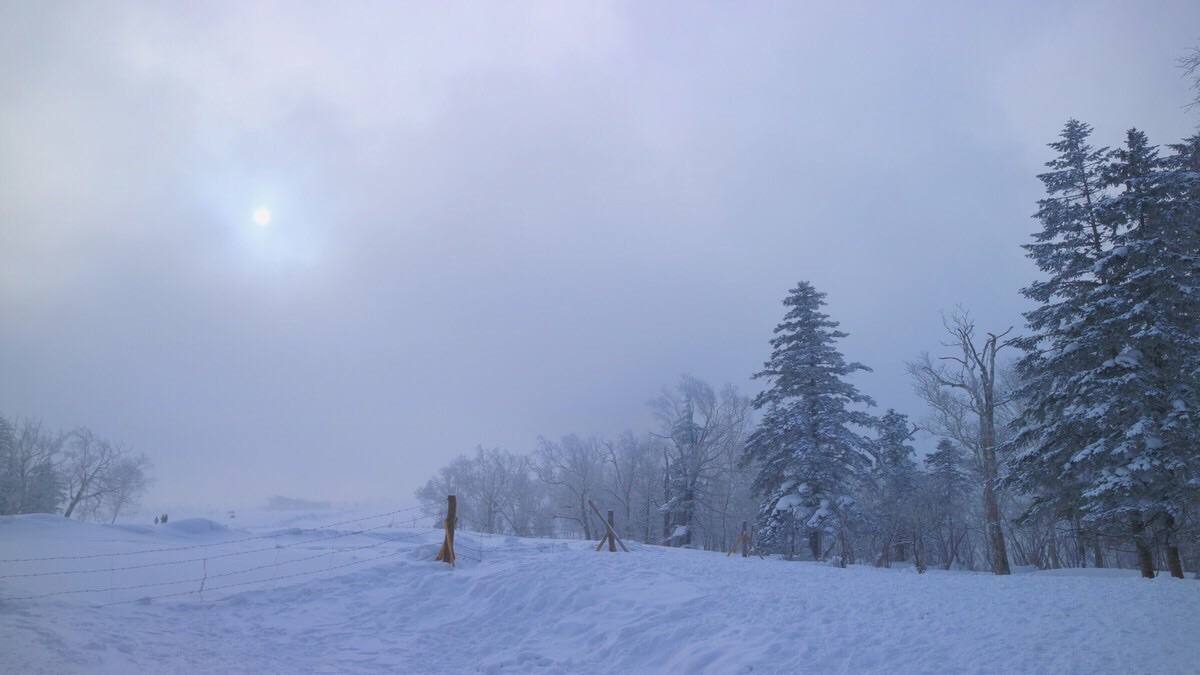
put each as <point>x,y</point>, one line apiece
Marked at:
<point>574,470</point>
<point>893,488</point>
<point>634,473</point>
<point>700,428</point>
<point>947,488</point>
<point>810,459</point>
<point>967,398</point>
<point>496,491</point>
<point>98,474</point>
<point>29,475</point>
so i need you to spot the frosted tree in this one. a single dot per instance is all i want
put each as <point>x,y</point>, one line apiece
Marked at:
<point>893,489</point>
<point>700,429</point>
<point>497,492</point>
<point>1110,358</point>
<point>1152,298</point>
<point>810,458</point>
<point>634,482</point>
<point>573,469</point>
<point>947,489</point>
<point>969,403</point>
<point>1191,69</point>
<point>101,478</point>
<point>30,481</point>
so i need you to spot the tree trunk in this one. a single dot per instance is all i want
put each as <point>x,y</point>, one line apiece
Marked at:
<point>1173,562</point>
<point>1097,552</point>
<point>991,508</point>
<point>1144,556</point>
<point>1055,563</point>
<point>814,543</point>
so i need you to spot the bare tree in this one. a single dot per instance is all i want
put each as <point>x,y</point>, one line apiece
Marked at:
<point>574,469</point>
<point>127,480</point>
<point>1191,68</point>
<point>632,475</point>
<point>702,431</point>
<point>962,392</point>
<point>29,481</point>
<point>495,488</point>
<point>97,473</point>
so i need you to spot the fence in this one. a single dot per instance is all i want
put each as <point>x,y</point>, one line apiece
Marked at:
<point>217,574</point>
<point>213,552</point>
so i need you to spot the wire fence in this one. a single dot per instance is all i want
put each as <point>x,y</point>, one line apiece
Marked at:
<point>477,545</point>
<point>299,530</point>
<point>201,582</point>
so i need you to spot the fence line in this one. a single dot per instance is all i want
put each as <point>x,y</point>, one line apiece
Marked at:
<point>204,579</point>
<point>276,547</point>
<point>299,530</point>
<point>247,583</point>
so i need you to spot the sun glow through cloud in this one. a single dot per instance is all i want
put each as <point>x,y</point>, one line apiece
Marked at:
<point>262,216</point>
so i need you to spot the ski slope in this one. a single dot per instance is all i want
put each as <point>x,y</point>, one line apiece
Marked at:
<point>284,593</point>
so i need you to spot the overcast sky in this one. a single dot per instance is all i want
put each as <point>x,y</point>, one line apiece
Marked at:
<point>498,220</point>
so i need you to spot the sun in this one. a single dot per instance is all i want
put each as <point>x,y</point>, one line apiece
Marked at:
<point>262,215</point>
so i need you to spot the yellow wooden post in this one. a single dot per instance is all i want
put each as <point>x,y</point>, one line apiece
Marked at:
<point>447,552</point>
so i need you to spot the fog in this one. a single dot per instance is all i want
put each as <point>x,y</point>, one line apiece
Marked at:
<point>497,221</point>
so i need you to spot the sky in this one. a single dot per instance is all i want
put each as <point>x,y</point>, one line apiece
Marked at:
<point>494,221</point>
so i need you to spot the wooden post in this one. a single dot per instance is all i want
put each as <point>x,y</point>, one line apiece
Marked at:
<point>612,543</point>
<point>610,534</point>
<point>447,552</point>
<point>744,540</point>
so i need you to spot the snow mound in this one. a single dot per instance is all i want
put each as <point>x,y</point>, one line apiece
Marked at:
<point>194,526</point>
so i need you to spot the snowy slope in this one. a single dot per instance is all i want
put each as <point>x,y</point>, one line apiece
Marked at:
<point>340,599</point>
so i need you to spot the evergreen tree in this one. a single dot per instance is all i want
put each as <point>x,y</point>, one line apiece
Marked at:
<point>893,486</point>
<point>947,489</point>
<point>810,461</point>
<point>9,483</point>
<point>1062,346</point>
<point>1110,362</point>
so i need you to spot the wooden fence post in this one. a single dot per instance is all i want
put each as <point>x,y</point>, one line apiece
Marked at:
<point>612,543</point>
<point>610,534</point>
<point>744,540</point>
<point>447,552</point>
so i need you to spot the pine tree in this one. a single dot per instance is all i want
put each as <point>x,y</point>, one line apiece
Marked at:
<point>947,488</point>
<point>810,460</point>
<point>1155,299</point>
<point>893,485</point>
<point>1109,425</point>
<point>1062,345</point>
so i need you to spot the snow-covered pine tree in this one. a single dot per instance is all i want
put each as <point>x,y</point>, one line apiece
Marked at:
<point>1108,427</point>
<point>947,488</point>
<point>1157,303</point>
<point>810,459</point>
<point>893,487</point>
<point>1062,344</point>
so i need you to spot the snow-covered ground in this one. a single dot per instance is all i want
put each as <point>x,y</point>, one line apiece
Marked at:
<point>284,593</point>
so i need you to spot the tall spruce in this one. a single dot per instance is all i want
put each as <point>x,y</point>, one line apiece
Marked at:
<point>809,456</point>
<point>893,489</point>
<point>1109,422</point>
<point>948,487</point>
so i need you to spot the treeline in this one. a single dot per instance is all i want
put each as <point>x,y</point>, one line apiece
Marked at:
<point>1074,444</point>
<point>76,473</point>
<point>680,484</point>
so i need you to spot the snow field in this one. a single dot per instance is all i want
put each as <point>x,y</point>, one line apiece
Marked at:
<point>545,606</point>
